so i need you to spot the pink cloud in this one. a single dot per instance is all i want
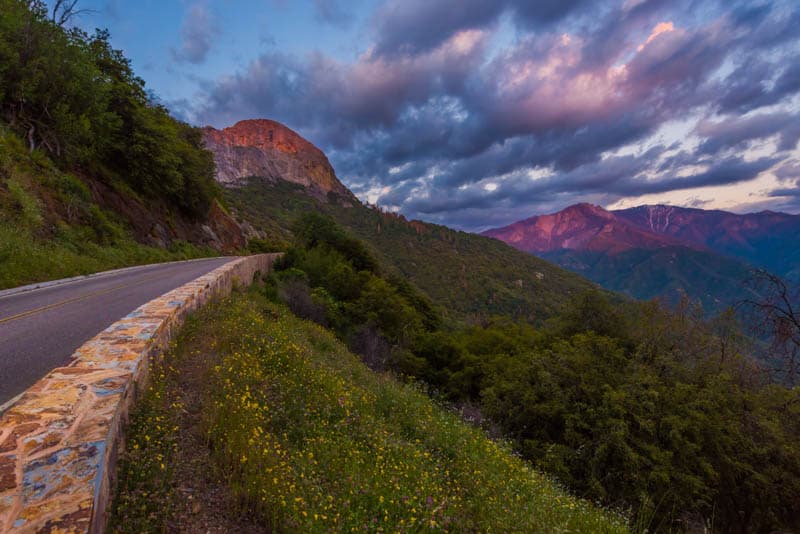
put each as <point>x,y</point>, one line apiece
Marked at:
<point>661,27</point>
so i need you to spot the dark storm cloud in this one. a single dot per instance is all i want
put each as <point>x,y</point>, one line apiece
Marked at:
<point>198,32</point>
<point>434,110</point>
<point>738,133</point>
<point>338,101</point>
<point>754,84</point>
<point>615,176</point>
<point>414,26</point>
<point>789,174</point>
<point>789,170</point>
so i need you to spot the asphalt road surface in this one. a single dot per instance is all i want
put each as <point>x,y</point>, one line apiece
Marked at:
<point>40,329</point>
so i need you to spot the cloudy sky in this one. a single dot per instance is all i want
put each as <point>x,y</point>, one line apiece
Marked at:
<point>476,113</point>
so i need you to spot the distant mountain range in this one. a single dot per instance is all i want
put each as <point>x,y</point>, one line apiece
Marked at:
<point>271,175</point>
<point>663,251</point>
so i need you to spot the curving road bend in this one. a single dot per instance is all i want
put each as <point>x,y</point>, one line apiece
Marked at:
<point>41,328</point>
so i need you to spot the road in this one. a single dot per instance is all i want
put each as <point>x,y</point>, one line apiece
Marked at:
<point>40,329</point>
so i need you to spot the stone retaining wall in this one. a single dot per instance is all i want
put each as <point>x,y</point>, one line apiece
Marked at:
<point>59,441</point>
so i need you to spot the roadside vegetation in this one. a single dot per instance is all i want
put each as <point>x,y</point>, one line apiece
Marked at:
<point>74,97</point>
<point>659,413</point>
<point>78,133</point>
<point>305,438</point>
<point>50,226</point>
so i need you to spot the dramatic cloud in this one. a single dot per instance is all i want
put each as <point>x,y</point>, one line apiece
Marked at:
<point>413,26</point>
<point>477,112</point>
<point>738,132</point>
<point>198,32</point>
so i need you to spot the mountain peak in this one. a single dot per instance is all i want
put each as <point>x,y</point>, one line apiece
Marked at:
<point>269,150</point>
<point>263,134</point>
<point>578,227</point>
<point>586,209</point>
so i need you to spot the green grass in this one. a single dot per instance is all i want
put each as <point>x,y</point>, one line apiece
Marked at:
<point>50,226</point>
<point>24,259</point>
<point>309,439</point>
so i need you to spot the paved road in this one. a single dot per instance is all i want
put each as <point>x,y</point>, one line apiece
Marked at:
<point>40,329</point>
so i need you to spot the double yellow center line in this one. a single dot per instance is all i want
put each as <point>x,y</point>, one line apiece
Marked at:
<point>41,309</point>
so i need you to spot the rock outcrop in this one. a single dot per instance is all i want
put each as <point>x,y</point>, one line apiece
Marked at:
<point>269,150</point>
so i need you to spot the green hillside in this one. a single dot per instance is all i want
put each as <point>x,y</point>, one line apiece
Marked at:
<point>715,281</point>
<point>52,225</point>
<point>94,173</point>
<point>652,411</point>
<point>305,438</point>
<point>466,274</point>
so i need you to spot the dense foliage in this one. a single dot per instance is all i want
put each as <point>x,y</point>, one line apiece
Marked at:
<point>470,276</point>
<point>307,439</point>
<point>51,227</point>
<point>667,273</point>
<point>74,96</point>
<point>335,280</point>
<point>658,412</point>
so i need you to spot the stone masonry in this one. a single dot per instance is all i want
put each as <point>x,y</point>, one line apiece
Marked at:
<point>59,441</point>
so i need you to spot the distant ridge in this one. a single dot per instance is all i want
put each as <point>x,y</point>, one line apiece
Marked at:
<point>663,251</point>
<point>580,227</point>
<point>766,239</point>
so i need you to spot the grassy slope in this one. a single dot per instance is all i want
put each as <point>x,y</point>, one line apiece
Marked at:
<point>50,227</point>
<point>308,439</point>
<point>467,274</point>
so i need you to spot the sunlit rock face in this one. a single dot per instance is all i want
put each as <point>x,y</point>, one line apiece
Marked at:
<point>269,150</point>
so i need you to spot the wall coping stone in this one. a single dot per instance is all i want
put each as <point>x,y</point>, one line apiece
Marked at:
<point>60,439</point>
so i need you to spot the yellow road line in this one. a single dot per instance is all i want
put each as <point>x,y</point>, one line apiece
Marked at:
<point>76,299</point>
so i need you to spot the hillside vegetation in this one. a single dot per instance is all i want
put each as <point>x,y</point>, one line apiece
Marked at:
<point>75,97</point>
<point>715,281</point>
<point>656,412</point>
<point>466,274</point>
<point>51,227</point>
<point>94,173</point>
<point>305,438</point>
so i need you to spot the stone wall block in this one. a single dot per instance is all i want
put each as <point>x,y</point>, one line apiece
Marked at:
<point>60,440</point>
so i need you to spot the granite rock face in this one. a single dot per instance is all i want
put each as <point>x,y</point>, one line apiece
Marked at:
<point>269,150</point>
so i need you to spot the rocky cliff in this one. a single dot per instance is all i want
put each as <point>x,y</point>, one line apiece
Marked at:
<point>269,150</point>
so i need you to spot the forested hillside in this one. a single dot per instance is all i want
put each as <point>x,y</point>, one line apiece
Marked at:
<point>659,413</point>
<point>466,274</point>
<point>94,172</point>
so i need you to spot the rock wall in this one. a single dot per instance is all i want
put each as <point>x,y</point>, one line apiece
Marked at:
<point>59,441</point>
<point>273,152</point>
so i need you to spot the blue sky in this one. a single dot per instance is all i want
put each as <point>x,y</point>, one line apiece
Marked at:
<point>476,113</point>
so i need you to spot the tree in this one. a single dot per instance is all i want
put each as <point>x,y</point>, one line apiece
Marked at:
<point>64,10</point>
<point>775,314</point>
